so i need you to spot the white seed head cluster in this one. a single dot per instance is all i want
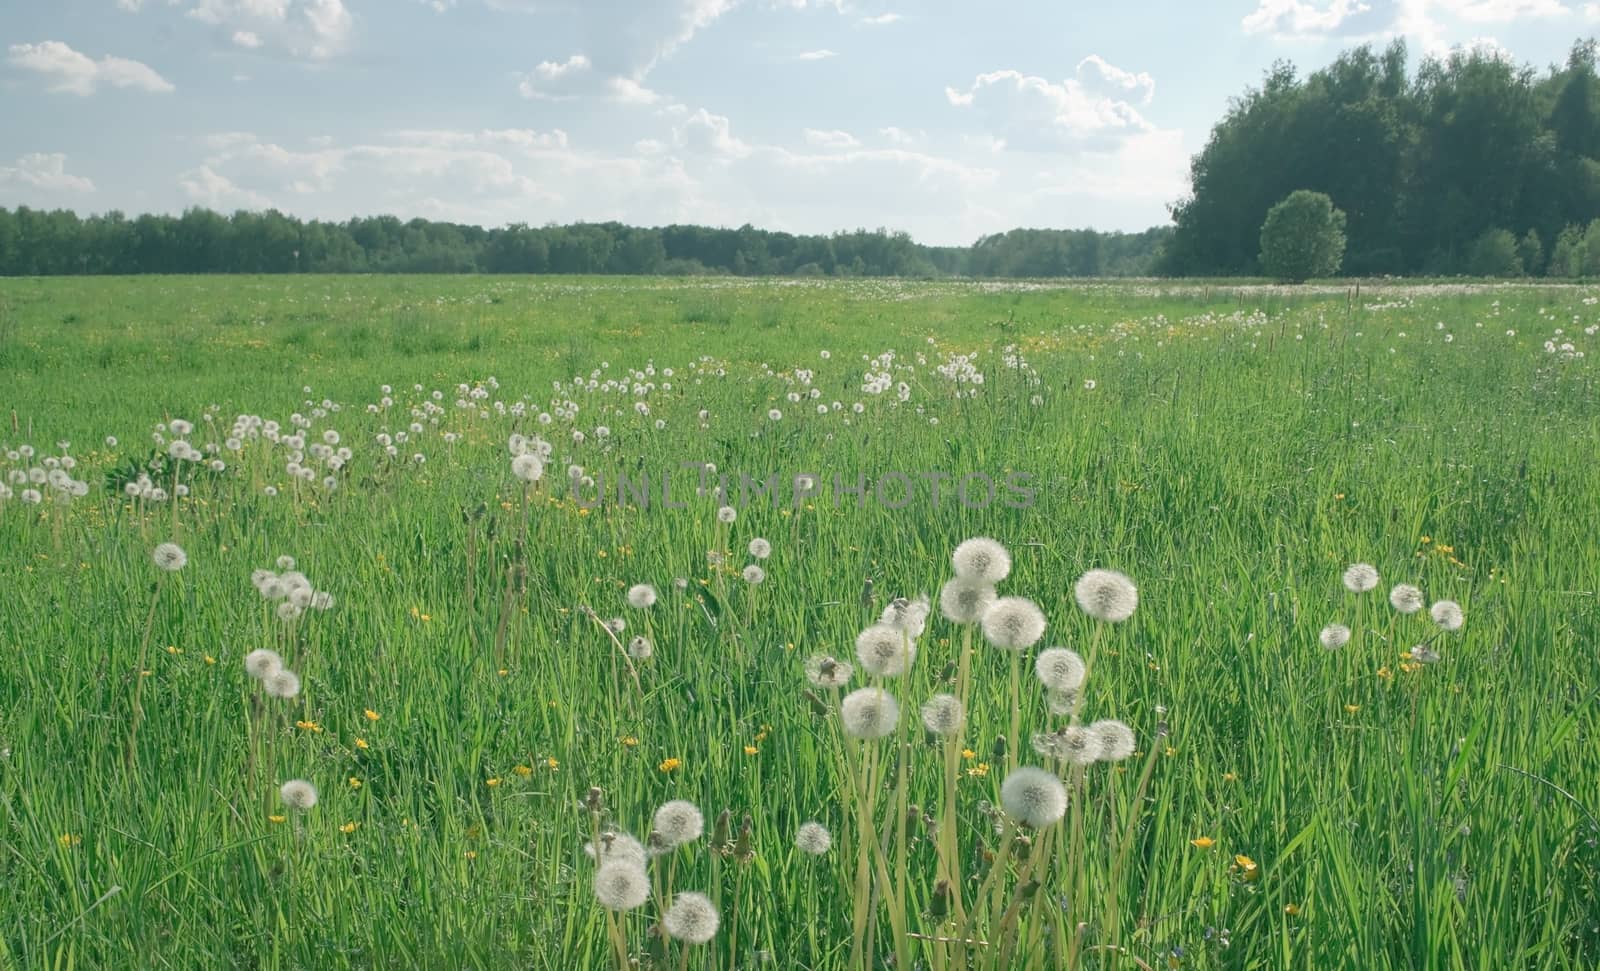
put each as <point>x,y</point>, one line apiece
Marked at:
<point>1060,669</point>
<point>884,651</point>
<point>641,596</point>
<point>1073,743</point>
<point>760,548</point>
<point>291,590</point>
<point>170,557</point>
<point>910,616</point>
<point>1112,740</point>
<point>640,648</point>
<point>527,467</point>
<point>1033,797</point>
<point>1361,577</point>
<point>1106,595</point>
<point>943,714</point>
<point>1013,623</point>
<point>1334,636</point>
<point>692,918</point>
<point>813,838</point>
<point>981,560</point>
<point>621,885</point>
<point>282,683</point>
<point>262,664</point>
<point>965,602</point>
<point>298,794</point>
<point>618,848</point>
<point>679,822</point>
<point>1447,614</point>
<point>754,575</point>
<point>825,672</point>
<point>1406,598</point>
<point>869,713</point>
<point>727,514</point>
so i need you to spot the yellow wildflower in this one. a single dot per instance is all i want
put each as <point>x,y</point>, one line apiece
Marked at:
<point>492,783</point>
<point>350,827</point>
<point>751,750</point>
<point>355,783</point>
<point>277,819</point>
<point>523,770</point>
<point>670,765</point>
<point>372,716</point>
<point>552,764</point>
<point>361,743</point>
<point>1203,842</point>
<point>309,726</point>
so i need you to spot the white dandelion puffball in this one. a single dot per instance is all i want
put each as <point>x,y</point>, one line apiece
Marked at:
<point>869,713</point>
<point>618,848</point>
<point>170,557</point>
<point>1361,577</point>
<point>289,612</point>
<point>1106,595</point>
<point>1424,654</point>
<point>1406,598</point>
<point>943,714</point>
<point>965,603</point>
<point>754,574</point>
<point>1111,740</point>
<point>679,822</point>
<point>1447,614</point>
<point>1060,669</point>
<point>813,838</point>
<point>640,648</point>
<point>727,514</point>
<point>760,548</point>
<point>825,672</point>
<point>1033,796</point>
<point>282,683</point>
<point>692,918</point>
<point>884,651</point>
<point>641,596</point>
<point>621,885</point>
<point>262,664</point>
<point>527,467</point>
<point>981,560</point>
<point>1013,623</point>
<point>910,616</point>
<point>1334,636</point>
<point>298,794</point>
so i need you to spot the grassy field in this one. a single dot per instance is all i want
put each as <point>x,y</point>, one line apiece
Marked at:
<point>1231,450</point>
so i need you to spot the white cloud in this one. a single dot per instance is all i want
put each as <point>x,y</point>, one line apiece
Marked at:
<point>206,187</point>
<point>831,139</point>
<point>1296,18</point>
<point>626,40</point>
<point>1032,113</point>
<point>704,133</point>
<point>899,136</point>
<point>819,55</point>
<point>1502,11</point>
<point>43,171</point>
<point>316,29</point>
<point>882,19</point>
<point>80,74</point>
<point>1116,76</point>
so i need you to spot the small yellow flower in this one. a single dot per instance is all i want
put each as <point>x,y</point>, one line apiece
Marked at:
<point>1351,709</point>
<point>628,741</point>
<point>978,771</point>
<point>355,783</point>
<point>502,672</point>
<point>523,770</point>
<point>472,854</point>
<point>1170,752</point>
<point>1230,777</point>
<point>1203,842</point>
<point>426,618</point>
<point>670,765</point>
<point>492,783</point>
<point>210,659</point>
<point>1291,909</point>
<point>1426,540</point>
<point>361,743</point>
<point>1248,868</point>
<point>968,754</point>
<point>1384,672</point>
<point>350,827</point>
<point>552,764</point>
<point>309,726</point>
<point>276,819</point>
<point>67,839</point>
<point>174,650</point>
<point>1410,667</point>
<point>751,750</point>
<point>372,716</point>
<point>1338,495</point>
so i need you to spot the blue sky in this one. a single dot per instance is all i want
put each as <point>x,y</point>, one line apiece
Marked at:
<point>945,118</point>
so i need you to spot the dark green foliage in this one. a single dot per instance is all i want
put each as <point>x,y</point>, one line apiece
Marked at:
<point>1495,255</point>
<point>1302,238</point>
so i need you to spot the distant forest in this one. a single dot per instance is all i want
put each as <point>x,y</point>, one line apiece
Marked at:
<point>1474,165</point>
<point>39,243</point>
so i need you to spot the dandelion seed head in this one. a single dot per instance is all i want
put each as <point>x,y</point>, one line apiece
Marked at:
<point>1406,598</point>
<point>825,672</point>
<point>753,574</point>
<point>1447,614</point>
<point>640,648</point>
<point>1361,577</point>
<point>869,713</point>
<point>943,714</point>
<point>298,794</point>
<point>1060,669</point>
<point>813,838</point>
<point>1013,623</point>
<point>527,467</point>
<point>1111,740</point>
<point>282,683</point>
<point>1034,797</point>
<point>262,664</point>
<point>884,651</point>
<point>727,514</point>
<point>910,616</point>
<point>621,885</point>
<point>641,596</point>
<point>170,557</point>
<point>965,603</point>
<point>1106,595</point>
<point>760,548</point>
<point>679,822</point>
<point>285,562</point>
<point>618,848</point>
<point>1334,636</point>
<point>981,560</point>
<point>692,918</point>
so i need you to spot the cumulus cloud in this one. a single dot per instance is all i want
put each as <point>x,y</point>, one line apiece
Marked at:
<point>47,172</point>
<point>1301,17</point>
<point>818,55</point>
<point>315,29</point>
<point>1033,113</point>
<point>1142,82</point>
<point>623,41</point>
<point>74,73</point>
<point>830,139</point>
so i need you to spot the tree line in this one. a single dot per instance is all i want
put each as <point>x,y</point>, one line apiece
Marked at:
<point>40,243</point>
<point>1473,166</point>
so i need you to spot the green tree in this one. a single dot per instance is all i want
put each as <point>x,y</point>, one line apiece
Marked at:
<point>1302,237</point>
<point>1494,254</point>
<point>1530,253</point>
<point>1567,258</point>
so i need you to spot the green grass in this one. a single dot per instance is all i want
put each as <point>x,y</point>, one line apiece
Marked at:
<point>1239,448</point>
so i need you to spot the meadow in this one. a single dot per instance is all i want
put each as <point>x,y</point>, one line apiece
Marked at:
<point>519,760</point>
